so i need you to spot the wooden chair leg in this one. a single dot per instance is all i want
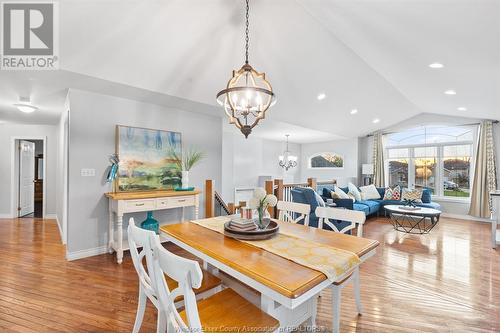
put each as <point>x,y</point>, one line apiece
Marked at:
<point>141,307</point>
<point>336,292</point>
<point>357,290</point>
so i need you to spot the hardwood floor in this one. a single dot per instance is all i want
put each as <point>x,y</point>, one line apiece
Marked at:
<point>447,281</point>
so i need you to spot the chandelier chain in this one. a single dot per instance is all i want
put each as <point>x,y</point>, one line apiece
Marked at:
<point>246,32</point>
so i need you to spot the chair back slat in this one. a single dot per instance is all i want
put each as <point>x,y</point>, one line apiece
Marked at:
<point>325,214</point>
<point>188,275</point>
<point>293,212</point>
<point>140,238</point>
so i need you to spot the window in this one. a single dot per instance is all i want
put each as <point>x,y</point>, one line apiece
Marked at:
<point>326,160</point>
<point>435,157</point>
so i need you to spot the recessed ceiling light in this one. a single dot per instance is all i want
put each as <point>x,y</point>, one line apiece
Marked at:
<point>354,111</point>
<point>436,65</point>
<point>26,108</point>
<point>462,108</point>
<point>450,92</point>
<point>376,120</point>
<point>321,96</point>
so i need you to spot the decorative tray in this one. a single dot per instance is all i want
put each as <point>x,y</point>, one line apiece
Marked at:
<point>271,230</point>
<point>184,189</point>
<point>409,208</point>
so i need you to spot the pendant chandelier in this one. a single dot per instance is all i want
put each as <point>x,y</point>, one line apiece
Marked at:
<point>248,94</point>
<point>287,160</point>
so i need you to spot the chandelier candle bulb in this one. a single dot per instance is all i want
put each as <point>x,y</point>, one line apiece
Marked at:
<point>243,86</point>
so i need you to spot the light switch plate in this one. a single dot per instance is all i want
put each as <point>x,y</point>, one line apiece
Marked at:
<point>87,172</point>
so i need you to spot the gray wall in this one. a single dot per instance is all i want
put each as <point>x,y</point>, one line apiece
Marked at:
<point>7,131</point>
<point>244,160</point>
<point>92,138</point>
<point>346,148</point>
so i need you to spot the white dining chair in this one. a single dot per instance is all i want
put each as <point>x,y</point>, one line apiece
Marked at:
<point>293,212</point>
<point>325,215</point>
<point>140,238</point>
<point>225,309</point>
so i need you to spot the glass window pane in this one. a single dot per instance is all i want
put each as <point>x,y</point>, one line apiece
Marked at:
<point>426,152</point>
<point>425,173</point>
<point>456,170</point>
<point>398,153</point>
<point>430,135</point>
<point>398,172</point>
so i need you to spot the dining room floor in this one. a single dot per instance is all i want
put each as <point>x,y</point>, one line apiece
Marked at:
<point>446,281</point>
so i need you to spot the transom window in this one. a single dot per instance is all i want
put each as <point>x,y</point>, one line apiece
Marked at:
<point>435,157</point>
<point>326,161</point>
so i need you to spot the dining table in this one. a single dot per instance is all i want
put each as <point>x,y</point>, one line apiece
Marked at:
<point>288,290</point>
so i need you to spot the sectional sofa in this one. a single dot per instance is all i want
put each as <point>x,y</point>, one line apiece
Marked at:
<point>373,207</point>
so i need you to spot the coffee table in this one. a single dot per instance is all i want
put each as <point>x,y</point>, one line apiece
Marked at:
<point>420,221</point>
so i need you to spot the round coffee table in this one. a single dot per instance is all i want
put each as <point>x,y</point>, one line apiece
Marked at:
<point>413,221</point>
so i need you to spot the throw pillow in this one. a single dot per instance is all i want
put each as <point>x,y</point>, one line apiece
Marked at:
<point>353,189</point>
<point>426,195</point>
<point>370,192</point>
<point>351,196</point>
<point>412,195</point>
<point>396,193</point>
<point>334,195</point>
<point>388,195</point>
<point>319,199</point>
<point>341,193</point>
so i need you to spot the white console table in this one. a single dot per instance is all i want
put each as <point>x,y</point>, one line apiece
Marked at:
<point>495,233</point>
<point>121,203</point>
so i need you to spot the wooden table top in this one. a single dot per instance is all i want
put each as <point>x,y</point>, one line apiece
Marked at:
<point>282,275</point>
<point>148,194</point>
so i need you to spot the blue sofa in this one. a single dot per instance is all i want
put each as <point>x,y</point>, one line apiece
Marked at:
<point>372,206</point>
<point>308,196</point>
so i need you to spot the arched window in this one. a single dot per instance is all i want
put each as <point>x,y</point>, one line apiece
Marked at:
<point>326,160</point>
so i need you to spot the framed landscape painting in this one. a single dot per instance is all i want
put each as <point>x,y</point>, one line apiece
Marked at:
<point>145,159</point>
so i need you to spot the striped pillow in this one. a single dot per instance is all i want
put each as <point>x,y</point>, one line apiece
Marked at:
<point>412,195</point>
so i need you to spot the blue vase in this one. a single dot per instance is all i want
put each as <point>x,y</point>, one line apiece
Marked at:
<point>150,223</point>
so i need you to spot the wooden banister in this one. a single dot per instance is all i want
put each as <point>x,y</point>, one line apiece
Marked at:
<point>269,187</point>
<point>209,198</point>
<point>311,182</point>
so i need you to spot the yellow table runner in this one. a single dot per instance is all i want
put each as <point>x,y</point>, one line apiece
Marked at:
<point>330,261</point>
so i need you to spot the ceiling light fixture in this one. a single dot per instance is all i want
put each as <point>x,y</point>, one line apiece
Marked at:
<point>436,65</point>
<point>462,108</point>
<point>450,92</point>
<point>376,120</point>
<point>354,111</point>
<point>248,94</point>
<point>321,96</point>
<point>25,105</point>
<point>287,160</point>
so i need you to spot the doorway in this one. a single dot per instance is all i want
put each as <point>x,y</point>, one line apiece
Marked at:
<point>29,177</point>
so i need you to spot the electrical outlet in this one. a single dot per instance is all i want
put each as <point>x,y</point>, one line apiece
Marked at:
<point>87,172</point>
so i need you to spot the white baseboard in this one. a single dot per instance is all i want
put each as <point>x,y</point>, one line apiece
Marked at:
<point>465,217</point>
<point>86,253</point>
<point>50,216</point>
<point>5,216</point>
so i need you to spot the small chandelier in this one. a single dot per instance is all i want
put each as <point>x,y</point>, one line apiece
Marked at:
<point>248,94</point>
<point>287,160</point>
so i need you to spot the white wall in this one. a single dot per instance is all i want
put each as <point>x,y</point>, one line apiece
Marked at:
<point>347,148</point>
<point>244,160</point>
<point>9,130</point>
<point>92,138</point>
<point>62,173</point>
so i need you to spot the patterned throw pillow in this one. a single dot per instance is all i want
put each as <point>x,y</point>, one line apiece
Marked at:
<point>396,193</point>
<point>388,194</point>
<point>334,195</point>
<point>412,195</point>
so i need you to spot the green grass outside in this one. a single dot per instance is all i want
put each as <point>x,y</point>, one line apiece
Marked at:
<point>455,193</point>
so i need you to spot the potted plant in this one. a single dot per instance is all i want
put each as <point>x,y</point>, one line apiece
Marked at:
<point>260,202</point>
<point>189,159</point>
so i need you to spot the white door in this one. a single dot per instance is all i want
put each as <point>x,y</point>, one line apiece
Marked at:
<point>26,177</point>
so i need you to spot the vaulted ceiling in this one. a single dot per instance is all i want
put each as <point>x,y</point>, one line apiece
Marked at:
<point>368,55</point>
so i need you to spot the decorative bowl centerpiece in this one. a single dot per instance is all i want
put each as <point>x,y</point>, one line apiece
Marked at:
<point>410,204</point>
